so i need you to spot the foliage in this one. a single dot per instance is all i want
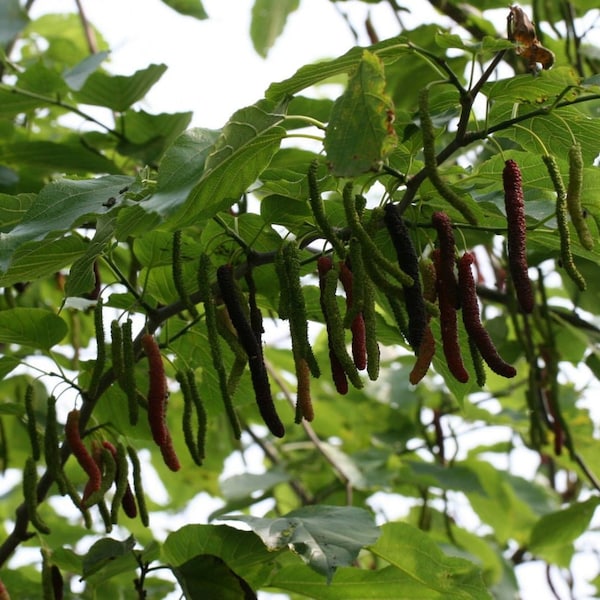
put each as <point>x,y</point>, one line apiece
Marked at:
<point>119,224</point>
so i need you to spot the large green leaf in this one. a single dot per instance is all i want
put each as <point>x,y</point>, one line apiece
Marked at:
<point>60,206</point>
<point>524,88</point>
<point>388,583</point>
<point>119,92</point>
<point>33,327</point>
<point>325,537</point>
<point>12,102</point>
<point>416,554</point>
<point>312,74</point>
<point>34,260</point>
<point>242,551</point>
<point>63,157</point>
<point>241,152</point>
<point>553,535</point>
<point>360,132</point>
<point>12,209</point>
<point>181,168</point>
<point>268,20</point>
<point>105,551</point>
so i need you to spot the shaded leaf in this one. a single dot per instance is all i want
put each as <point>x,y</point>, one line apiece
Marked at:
<point>206,576</point>
<point>148,136</point>
<point>241,152</point>
<point>242,551</point>
<point>81,275</point>
<point>181,168</point>
<point>64,157</point>
<point>553,535</point>
<point>12,209</point>
<point>33,327</point>
<point>119,92</point>
<point>33,260</point>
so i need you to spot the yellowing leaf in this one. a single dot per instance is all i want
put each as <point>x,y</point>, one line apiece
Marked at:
<point>360,133</point>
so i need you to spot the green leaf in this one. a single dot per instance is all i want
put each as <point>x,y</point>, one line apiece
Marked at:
<point>60,206</point>
<point>241,152</point>
<point>268,21</point>
<point>12,209</point>
<point>76,77</point>
<point>119,92</point>
<point>33,327</point>
<point>553,535</point>
<point>40,79</point>
<point>81,278</point>
<point>12,20</point>
<point>360,132</point>
<point>190,8</point>
<point>68,156</point>
<point>206,576</point>
<point>34,260</point>
<point>525,89</point>
<point>181,168</point>
<point>315,73</point>
<point>13,102</point>
<point>325,537</point>
<point>7,364</point>
<point>148,136</point>
<point>105,551</point>
<point>417,555</point>
<point>242,551</point>
<point>242,486</point>
<point>353,584</point>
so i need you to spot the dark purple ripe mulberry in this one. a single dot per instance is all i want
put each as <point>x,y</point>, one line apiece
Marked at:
<point>516,235</point>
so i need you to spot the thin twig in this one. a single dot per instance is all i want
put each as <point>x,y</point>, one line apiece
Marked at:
<point>314,438</point>
<point>88,30</point>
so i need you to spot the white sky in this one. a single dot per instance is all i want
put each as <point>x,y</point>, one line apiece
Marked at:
<point>213,70</point>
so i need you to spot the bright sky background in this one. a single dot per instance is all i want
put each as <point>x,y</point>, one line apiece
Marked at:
<point>213,70</point>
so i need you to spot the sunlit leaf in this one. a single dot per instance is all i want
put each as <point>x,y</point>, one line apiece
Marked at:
<point>190,8</point>
<point>325,537</point>
<point>416,554</point>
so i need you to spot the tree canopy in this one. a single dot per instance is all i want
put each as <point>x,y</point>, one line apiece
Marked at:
<point>390,294</point>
